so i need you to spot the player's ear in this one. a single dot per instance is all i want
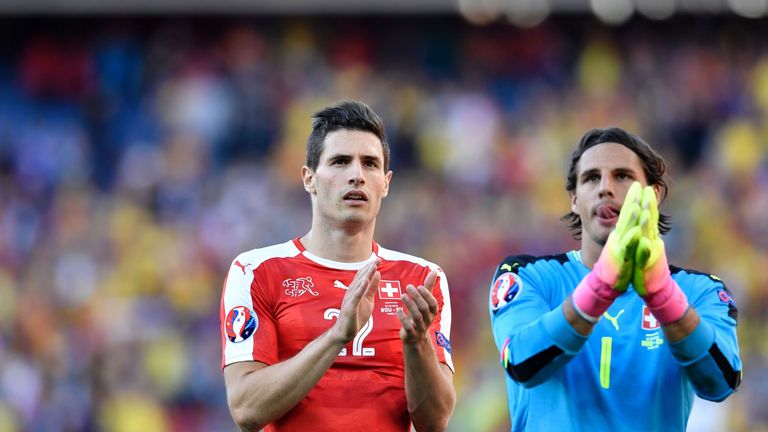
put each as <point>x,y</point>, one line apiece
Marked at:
<point>387,179</point>
<point>657,189</point>
<point>574,207</point>
<point>308,178</point>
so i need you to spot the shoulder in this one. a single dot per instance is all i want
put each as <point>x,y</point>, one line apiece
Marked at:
<point>407,259</point>
<point>695,278</point>
<point>518,276</point>
<point>542,274</point>
<point>704,289</point>
<point>256,257</point>
<point>515,263</point>
<point>244,267</point>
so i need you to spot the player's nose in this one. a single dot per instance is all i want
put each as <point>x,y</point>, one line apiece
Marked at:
<point>356,173</point>
<point>606,187</point>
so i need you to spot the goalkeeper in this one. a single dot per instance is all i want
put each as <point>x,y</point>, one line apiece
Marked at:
<point>611,337</point>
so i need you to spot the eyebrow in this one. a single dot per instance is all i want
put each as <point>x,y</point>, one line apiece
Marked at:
<point>340,156</point>
<point>369,158</point>
<point>589,172</point>
<point>620,170</point>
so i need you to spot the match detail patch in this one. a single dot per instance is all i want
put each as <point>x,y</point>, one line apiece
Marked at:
<point>724,296</point>
<point>443,341</point>
<point>506,287</point>
<point>241,323</point>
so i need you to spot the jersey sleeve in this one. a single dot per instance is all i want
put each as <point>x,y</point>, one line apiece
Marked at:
<point>533,337</point>
<point>440,329</point>
<point>247,322</point>
<point>710,354</point>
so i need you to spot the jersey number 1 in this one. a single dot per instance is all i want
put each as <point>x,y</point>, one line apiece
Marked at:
<point>357,343</point>
<point>605,362</point>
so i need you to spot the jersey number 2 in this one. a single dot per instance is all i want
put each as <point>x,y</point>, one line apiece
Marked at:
<point>357,343</point>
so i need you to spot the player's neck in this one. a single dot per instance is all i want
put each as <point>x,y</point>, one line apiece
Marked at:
<point>342,245</point>
<point>590,252</point>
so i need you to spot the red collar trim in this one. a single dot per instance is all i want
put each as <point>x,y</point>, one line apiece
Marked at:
<point>301,248</point>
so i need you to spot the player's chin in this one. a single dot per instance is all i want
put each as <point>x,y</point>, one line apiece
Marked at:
<point>356,216</point>
<point>600,233</point>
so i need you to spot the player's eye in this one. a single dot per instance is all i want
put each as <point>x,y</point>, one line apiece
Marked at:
<point>592,178</point>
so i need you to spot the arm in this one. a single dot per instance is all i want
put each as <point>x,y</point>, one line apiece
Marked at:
<point>702,341</point>
<point>681,329</point>
<point>428,383</point>
<point>575,320</point>
<point>535,341</point>
<point>258,394</point>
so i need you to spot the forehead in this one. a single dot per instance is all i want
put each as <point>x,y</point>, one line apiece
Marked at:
<point>610,156</point>
<point>352,143</point>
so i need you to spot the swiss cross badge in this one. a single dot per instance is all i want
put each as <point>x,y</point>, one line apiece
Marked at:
<point>390,290</point>
<point>649,321</point>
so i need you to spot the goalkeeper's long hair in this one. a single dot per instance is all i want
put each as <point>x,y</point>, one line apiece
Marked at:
<point>653,166</point>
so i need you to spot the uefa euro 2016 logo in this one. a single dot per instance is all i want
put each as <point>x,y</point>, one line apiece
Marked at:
<point>241,323</point>
<point>506,287</point>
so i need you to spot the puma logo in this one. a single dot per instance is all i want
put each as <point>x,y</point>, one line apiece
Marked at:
<point>337,284</point>
<point>508,267</point>
<point>242,266</point>
<point>614,320</point>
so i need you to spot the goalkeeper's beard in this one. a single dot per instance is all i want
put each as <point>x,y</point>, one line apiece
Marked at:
<point>602,237</point>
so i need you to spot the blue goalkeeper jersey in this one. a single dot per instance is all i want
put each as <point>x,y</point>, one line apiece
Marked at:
<point>623,377</point>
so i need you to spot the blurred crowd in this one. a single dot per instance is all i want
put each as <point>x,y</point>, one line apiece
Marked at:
<point>138,157</point>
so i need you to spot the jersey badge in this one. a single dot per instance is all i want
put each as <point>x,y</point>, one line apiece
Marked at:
<point>241,323</point>
<point>390,290</point>
<point>506,287</point>
<point>724,296</point>
<point>443,341</point>
<point>297,287</point>
<point>340,285</point>
<point>649,321</point>
<point>652,341</point>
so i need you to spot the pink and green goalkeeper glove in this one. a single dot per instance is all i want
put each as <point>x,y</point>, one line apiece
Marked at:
<point>651,278</point>
<point>612,272</point>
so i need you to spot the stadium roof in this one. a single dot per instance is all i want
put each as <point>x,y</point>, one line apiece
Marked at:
<point>620,8</point>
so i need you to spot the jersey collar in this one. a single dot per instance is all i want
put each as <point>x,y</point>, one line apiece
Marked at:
<point>575,256</point>
<point>337,264</point>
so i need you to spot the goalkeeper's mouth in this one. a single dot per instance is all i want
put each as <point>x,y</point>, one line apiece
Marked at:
<point>607,214</point>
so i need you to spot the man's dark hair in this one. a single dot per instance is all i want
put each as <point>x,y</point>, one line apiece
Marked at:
<point>653,166</point>
<point>351,115</point>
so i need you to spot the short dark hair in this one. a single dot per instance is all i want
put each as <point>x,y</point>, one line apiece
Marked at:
<point>351,115</point>
<point>653,166</point>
